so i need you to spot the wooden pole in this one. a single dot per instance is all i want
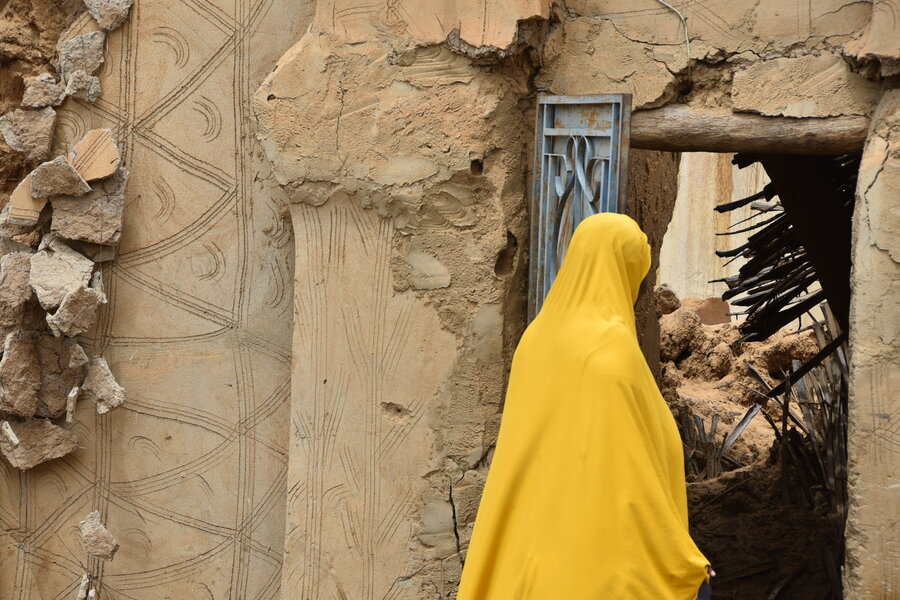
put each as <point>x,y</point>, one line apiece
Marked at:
<point>687,129</point>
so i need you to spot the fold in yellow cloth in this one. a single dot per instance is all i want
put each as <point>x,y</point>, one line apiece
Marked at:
<point>586,497</point>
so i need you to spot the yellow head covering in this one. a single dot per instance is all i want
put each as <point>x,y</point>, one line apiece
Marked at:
<point>586,498</point>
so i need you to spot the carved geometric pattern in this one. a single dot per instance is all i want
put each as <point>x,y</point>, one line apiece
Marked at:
<point>189,474</point>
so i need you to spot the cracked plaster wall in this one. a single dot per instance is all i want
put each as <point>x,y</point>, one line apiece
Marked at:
<point>399,134</point>
<point>403,145</point>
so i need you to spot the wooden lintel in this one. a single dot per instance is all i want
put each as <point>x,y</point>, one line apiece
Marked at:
<point>688,129</point>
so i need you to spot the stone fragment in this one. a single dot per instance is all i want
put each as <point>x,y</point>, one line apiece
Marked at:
<point>57,270</point>
<point>15,289</point>
<point>63,367</point>
<point>29,131</point>
<point>805,86</point>
<point>713,311</point>
<point>24,208</point>
<point>96,155</point>
<point>109,14</point>
<point>96,539</point>
<point>57,176</point>
<point>7,431</point>
<point>92,595</point>
<point>84,86</point>
<point>95,217</point>
<point>43,90</point>
<point>77,312</point>
<point>39,441</point>
<point>666,300</point>
<point>101,387</point>
<point>81,53</point>
<point>20,375</point>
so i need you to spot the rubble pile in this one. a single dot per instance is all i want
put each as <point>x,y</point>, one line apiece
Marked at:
<point>62,221</point>
<point>737,515</point>
<point>705,369</point>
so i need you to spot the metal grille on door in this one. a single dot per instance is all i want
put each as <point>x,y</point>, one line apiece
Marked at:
<point>580,166</point>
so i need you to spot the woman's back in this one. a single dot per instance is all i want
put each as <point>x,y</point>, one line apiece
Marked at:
<point>586,496</point>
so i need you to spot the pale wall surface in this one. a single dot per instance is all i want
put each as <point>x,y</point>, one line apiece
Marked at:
<point>873,548</point>
<point>189,475</point>
<point>688,261</point>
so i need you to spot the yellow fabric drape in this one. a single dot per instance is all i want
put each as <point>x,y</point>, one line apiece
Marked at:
<point>585,498</point>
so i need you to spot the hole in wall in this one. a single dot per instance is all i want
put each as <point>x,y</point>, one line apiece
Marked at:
<point>476,167</point>
<point>505,264</point>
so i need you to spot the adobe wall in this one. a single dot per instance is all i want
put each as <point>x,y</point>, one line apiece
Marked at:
<point>349,419</point>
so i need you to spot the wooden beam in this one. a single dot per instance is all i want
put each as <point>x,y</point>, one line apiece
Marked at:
<point>687,129</point>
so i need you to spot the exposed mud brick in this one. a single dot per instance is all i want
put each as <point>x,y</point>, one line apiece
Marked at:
<point>84,86</point>
<point>81,53</point>
<point>666,300</point>
<point>806,86</point>
<point>96,155</point>
<point>96,539</point>
<point>44,90</point>
<point>713,311</point>
<point>101,387</point>
<point>39,441</point>
<point>63,367</point>
<point>77,313</point>
<point>57,176</point>
<point>20,375</point>
<point>56,271</point>
<point>29,131</point>
<point>95,217</point>
<point>676,331</point>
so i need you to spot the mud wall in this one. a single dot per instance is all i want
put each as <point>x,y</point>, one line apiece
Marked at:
<point>345,456</point>
<point>190,474</point>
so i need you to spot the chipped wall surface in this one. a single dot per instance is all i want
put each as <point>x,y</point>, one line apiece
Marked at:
<point>873,552</point>
<point>189,474</point>
<point>353,449</point>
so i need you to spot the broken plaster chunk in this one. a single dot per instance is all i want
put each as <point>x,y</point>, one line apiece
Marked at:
<point>29,131</point>
<point>96,539</point>
<point>57,176</point>
<point>109,14</point>
<point>81,53</point>
<point>63,367</point>
<point>43,90</point>
<point>71,401</point>
<point>96,155</point>
<point>9,434</point>
<point>58,270</point>
<point>39,441</point>
<point>101,387</point>
<point>95,217</point>
<point>24,208</point>
<point>76,313</point>
<point>20,375</point>
<point>84,86</point>
<point>83,588</point>
<point>15,290</point>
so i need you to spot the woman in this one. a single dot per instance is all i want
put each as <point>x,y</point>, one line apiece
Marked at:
<point>586,498</point>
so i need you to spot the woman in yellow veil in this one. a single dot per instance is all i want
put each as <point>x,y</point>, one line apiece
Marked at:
<point>585,498</point>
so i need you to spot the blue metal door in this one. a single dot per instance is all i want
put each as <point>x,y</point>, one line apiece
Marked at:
<point>580,166</point>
